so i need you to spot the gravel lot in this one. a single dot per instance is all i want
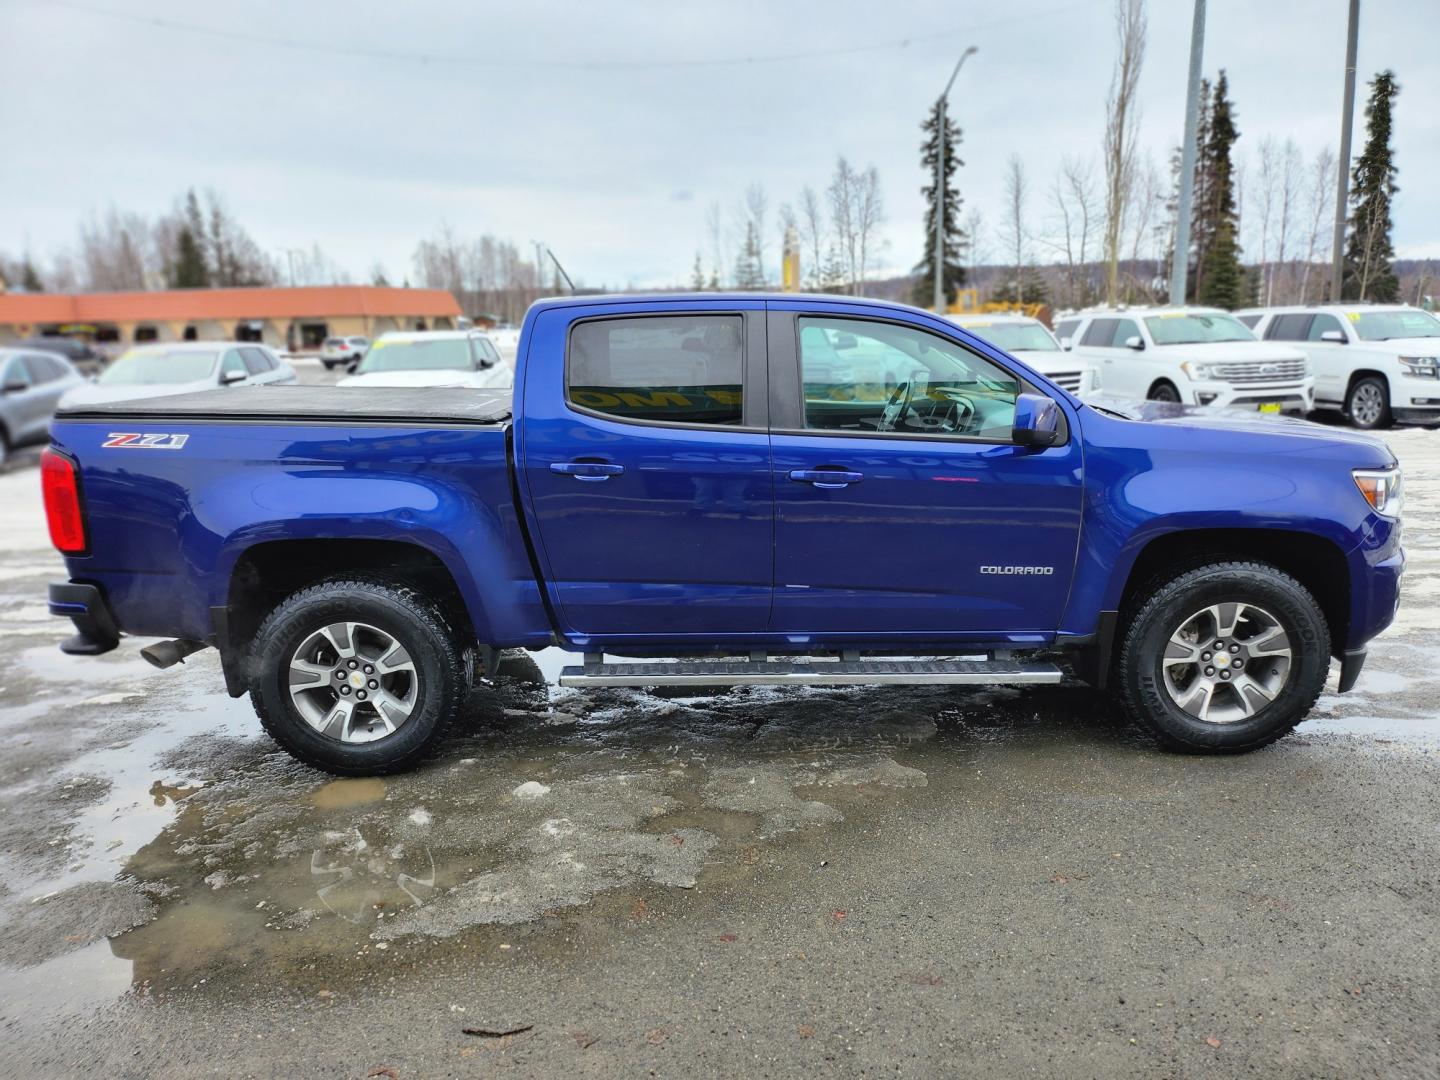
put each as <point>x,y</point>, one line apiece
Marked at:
<point>759,883</point>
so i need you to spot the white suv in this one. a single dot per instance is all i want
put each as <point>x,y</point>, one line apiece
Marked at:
<point>1192,355</point>
<point>1030,341</point>
<point>1377,362</point>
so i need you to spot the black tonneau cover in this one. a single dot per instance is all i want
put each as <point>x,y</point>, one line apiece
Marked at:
<point>312,404</point>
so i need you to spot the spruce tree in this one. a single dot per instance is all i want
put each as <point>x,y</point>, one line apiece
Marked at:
<point>188,270</point>
<point>697,275</point>
<point>1369,251</point>
<point>749,273</point>
<point>30,277</point>
<point>1223,279</point>
<point>953,271</point>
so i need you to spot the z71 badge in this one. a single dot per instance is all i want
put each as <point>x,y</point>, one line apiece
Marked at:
<point>134,440</point>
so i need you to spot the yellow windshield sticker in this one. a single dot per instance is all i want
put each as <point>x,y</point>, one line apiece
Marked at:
<point>975,325</point>
<point>1174,315</point>
<point>1353,316</point>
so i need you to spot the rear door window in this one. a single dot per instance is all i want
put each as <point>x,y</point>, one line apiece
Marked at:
<point>42,369</point>
<point>1292,327</point>
<point>673,369</point>
<point>1100,333</point>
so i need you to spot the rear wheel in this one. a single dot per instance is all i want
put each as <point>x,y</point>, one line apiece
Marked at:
<point>357,678</point>
<point>1165,391</point>
<point>1224,658</point>
<point>1368,405</point>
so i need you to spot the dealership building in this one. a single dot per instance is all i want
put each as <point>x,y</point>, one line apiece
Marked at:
<point>294,319</point>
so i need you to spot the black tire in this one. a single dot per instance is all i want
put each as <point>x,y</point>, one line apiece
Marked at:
<point>1164,390</point>
<point>405,615</point>
<point>1368,403</point>
<point>328,365</point>
<point>1139,675</point>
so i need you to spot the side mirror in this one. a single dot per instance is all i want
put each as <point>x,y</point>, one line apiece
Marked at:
<point>228,378</point>
<point>1134,341</point>
<point>15,386</point>
<point>845,341</point>
<point>1335,336</point>
<point>1067,343</point>
<point>1037,422</point>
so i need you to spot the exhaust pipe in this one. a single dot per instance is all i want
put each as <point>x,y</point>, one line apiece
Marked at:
<point>164,654</point>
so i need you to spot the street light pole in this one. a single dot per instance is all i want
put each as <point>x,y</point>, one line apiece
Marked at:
<point>940,191</point>
<point>1180,259</point>
<point>1342,182</point>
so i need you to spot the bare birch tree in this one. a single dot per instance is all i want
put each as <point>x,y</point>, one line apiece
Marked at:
<point>1322,183</point>
<point>1121,131</point>
<point>1017,191</point>
<point>813,237</point>
<point>869,216</point>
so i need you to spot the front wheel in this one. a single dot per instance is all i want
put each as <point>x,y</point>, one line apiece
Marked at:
<point>1368,405</point>
<point>1166,392</point>
<point>1224,658</point>
<point>357,678</point>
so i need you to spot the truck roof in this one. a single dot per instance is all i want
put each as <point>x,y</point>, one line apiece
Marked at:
<point>730,296</point>
<point>278,404</point>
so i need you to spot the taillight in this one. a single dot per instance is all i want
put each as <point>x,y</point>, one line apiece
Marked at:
<point>60,483</point>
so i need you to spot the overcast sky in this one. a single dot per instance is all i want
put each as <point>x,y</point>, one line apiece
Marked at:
<point>607,128</point>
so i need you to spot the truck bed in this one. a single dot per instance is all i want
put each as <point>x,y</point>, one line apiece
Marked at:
<point>312,404</point>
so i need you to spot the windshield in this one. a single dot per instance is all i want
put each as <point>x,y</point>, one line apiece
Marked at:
<point>153,368</point>
<point>1383,325</point>
<point>1015,337</point>
<point>1180,329</point>
<point>448,354</point>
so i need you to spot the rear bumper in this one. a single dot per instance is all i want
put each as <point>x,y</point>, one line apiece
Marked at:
<point>84,605</point>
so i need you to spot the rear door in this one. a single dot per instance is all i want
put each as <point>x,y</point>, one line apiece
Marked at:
<point>646,464</point>
<point>903,509</point>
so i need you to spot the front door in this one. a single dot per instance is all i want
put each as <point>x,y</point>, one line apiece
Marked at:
<point>647,467</point>
<point>902,506</point>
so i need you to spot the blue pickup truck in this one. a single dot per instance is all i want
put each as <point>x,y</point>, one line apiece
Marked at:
<point>718,490</point>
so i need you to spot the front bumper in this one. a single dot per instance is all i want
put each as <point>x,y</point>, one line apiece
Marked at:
<point>1291,397</point>
<point>84,605</point>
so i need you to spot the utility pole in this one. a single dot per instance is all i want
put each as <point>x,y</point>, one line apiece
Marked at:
<point>1180,259</point>
<point>940,192</point>
<point>1342,181</point>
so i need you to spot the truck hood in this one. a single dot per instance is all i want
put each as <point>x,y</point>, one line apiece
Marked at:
<point>1052,363</point>
<point>1406,346</point>
<point>1221,351</point>
<point>99,394</point>
<point>1244,421</point>
<point>490,378</point>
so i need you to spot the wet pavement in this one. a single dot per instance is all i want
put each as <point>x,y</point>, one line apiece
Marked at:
<point>758,883</point>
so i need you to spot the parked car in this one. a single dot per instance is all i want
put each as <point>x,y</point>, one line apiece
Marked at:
<point>432,358</point>
<point>343,351</point>
<point>83,357</point>
<point>1032,342</point>
<point>1191,355</point>
<point>31,385</point>
<point>1378,363</point>
<point>661,485</point>
<point>182,367</point>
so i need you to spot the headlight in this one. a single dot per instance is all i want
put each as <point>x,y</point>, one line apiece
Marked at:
<point>1199,372</point>
<point>1422,367</point>
<point>1382,489</point>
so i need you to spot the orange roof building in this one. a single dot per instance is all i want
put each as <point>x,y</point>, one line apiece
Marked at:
<point>298,318</point>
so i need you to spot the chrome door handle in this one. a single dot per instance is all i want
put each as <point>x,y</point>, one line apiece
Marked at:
<point>829,479</point>
<point>587,470</point>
